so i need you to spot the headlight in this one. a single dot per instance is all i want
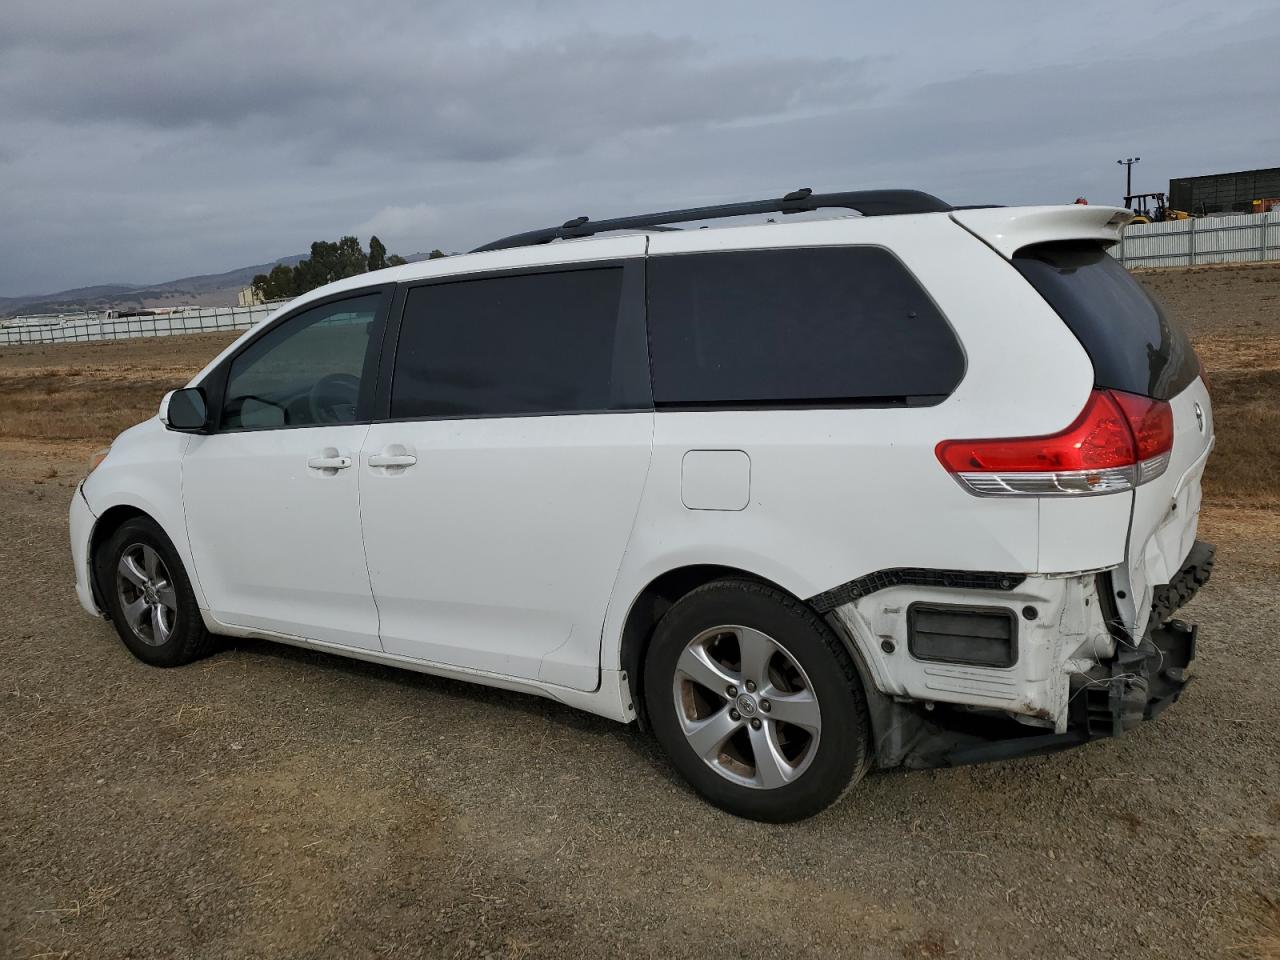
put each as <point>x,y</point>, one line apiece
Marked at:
<point>96,458</point>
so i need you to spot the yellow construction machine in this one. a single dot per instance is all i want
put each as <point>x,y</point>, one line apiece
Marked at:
<point>1151,208</point>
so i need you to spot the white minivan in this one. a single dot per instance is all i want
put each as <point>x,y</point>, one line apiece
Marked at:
<point>912,486</point>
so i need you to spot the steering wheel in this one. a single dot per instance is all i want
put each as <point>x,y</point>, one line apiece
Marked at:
<point>329,394</point>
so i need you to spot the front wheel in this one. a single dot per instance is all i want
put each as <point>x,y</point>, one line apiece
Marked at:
<point>756,702</point>
<point>148,595</point>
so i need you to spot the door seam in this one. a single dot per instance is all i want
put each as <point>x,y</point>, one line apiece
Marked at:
<point>364,547</point>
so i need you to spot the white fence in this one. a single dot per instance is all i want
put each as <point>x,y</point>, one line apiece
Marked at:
<point>1239,238</point>
<point>89,326</point>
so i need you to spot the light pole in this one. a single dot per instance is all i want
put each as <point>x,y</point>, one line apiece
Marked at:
<point>1128,177</point>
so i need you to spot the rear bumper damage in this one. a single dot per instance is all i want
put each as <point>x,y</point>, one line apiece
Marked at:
<point>1136,685</point>
<point>1134,682</point>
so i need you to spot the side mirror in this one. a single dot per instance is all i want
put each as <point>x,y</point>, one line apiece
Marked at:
<point>185,410</point>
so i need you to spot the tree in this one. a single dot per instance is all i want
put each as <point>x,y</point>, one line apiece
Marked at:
<point>352,259</point>
<point>279,284</point>
<point>377,254</point>
<point>328,262</point>
<point>436,255</point>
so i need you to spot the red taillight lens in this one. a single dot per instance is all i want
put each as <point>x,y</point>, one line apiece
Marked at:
<point>1118,440</point>
<point>1100,437</point>
<point>1151,422</point>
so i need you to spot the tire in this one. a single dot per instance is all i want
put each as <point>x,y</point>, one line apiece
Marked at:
<point>732,745</point>
<point>148,596</point>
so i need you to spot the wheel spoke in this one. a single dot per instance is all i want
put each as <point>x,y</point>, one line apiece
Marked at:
<point>133,612</point>
<point>800,709</point>
<point>696,664</point>
<point>150,561</point>
<point>757,650</point>
<point>168,596</point>
<point>161,624</point>
<point>707,736</point>
<point>129,569</point>
<point>772,769</point>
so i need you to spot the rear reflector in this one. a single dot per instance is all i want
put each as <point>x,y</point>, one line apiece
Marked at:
<point>1118,441</point>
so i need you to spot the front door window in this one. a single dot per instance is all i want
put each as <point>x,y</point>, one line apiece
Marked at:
<point>306,372</point>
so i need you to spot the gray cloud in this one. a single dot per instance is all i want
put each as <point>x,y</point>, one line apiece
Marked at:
<point>340,84</point>
<point>157,139</point>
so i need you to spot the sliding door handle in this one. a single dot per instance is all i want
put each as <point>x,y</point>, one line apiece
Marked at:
<point>392,460</point>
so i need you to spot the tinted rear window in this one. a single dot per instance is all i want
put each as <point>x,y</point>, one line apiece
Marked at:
<point>1134,346</point>
<point>797,326</point>
<point>511,345</point>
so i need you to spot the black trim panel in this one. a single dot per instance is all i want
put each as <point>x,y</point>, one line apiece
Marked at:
<point>1191,576</point>
<point>854,590</point>
<point>854,403</point>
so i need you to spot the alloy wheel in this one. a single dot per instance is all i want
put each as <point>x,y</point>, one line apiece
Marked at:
<point>746,706</point>
<point>147,598</point>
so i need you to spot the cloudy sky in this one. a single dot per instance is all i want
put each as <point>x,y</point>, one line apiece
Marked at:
<point>146,140</point>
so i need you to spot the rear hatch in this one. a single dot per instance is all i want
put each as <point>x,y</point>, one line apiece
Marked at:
<point>1139,350</point>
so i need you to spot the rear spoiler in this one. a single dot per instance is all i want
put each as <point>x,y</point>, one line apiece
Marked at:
<point>1008,229</point>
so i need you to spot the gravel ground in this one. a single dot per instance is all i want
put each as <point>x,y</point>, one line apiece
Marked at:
<point>276,802</point>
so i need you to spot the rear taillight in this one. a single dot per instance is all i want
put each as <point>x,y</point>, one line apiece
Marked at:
<point>1119,441</point>
<point>1152,424</point>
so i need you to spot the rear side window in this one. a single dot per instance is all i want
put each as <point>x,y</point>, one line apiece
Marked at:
<point>796,326</point>
<point>1134,346</point>
<point>512,345</point>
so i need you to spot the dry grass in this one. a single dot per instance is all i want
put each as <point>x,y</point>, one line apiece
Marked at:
<point>55,405</point>
<point>1265,944</point>
<point>88,393</point>
<point>1222,299</point>
<point>1245,464</point>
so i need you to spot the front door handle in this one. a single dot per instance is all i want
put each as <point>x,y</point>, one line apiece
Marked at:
<point>392,460</point>
<point>329,463</point>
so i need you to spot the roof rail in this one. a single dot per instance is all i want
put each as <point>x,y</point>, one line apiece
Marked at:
<point>870,203</point>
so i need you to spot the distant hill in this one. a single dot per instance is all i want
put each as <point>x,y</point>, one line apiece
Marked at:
<point>208,290</point>
<point>205,290</point>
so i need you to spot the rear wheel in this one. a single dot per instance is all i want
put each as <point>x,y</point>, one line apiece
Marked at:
<point>756,701</point>
<point>148,595</point>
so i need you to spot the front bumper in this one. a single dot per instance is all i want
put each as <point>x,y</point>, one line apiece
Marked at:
<point>81,521</point>
<point>1136,684</point>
